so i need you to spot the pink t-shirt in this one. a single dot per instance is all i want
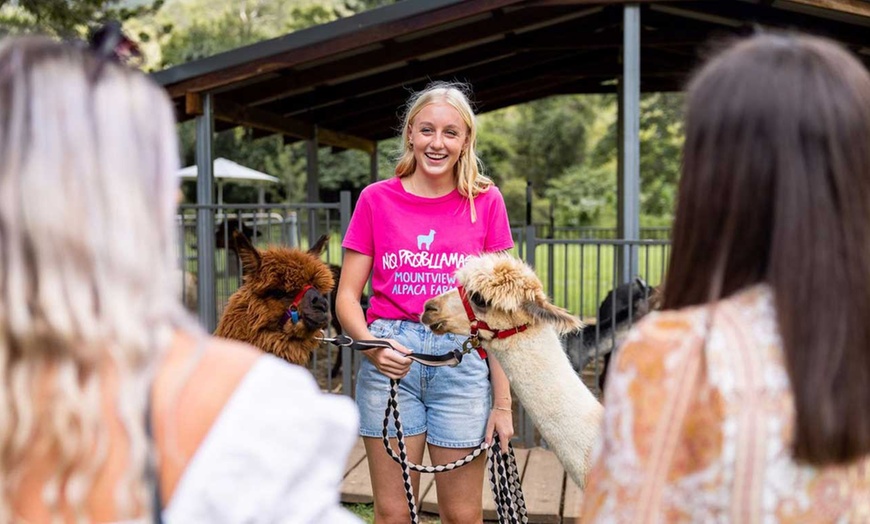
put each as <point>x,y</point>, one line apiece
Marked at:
<point>417,243</point>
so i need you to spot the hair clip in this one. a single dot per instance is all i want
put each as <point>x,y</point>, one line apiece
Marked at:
<point>109,42</point>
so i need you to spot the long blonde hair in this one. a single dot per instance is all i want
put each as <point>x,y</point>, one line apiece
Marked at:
<point>87,210</point>
<point>467,173</point>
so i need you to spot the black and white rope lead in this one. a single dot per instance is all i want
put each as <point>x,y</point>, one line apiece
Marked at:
<point>504,476</point>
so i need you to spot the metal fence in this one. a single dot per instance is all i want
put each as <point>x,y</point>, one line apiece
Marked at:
<point>578,274</point>
<point>578,269</point>
<point>594,232</point>
<point>294,225</point>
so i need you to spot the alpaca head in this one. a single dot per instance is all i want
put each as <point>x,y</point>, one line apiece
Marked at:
<point>504,292</point>
<point>274,279</point>
<point>632,299</point>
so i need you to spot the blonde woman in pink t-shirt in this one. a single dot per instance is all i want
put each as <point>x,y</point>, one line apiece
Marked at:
<point>410,233</point>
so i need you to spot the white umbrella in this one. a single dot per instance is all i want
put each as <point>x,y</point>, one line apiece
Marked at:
<point>226,170</point>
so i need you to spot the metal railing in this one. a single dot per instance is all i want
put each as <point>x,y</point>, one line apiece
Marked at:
<point>293,224</point>
<point>577,273</point>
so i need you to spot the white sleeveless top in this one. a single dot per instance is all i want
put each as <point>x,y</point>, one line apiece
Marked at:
<point>276,453</point>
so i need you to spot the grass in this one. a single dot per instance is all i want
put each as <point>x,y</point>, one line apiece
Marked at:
<point>578,276</point>
<point>364,511</point>
<point>367,514</point>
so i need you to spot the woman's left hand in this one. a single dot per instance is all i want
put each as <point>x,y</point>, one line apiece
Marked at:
<point>500,421</point>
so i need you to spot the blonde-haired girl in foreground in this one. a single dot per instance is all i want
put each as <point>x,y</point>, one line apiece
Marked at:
<point>94,342</point>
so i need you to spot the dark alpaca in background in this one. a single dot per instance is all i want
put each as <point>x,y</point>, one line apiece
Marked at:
<point>320,246</point>
<point>259,311</point>
<point>620,309</point>
<point>223,234</point>
<point>224,239</point>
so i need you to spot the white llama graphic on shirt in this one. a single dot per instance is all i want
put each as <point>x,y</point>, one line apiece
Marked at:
<point>426,240</point>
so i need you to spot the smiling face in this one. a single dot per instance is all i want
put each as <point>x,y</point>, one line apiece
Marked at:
<point>439,136</point>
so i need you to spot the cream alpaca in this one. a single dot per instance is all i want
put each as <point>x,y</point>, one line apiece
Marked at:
<point>505,293</point>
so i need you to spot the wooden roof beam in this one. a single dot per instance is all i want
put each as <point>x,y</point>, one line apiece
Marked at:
<point>471,64</point>
<point>228,111</point>
<point>388,102</point>
<point>380,128</point>
<point>743,14</point>
<point>599,63</point>
<point>520,88</point>
<point>852,7</point>
<point>455,65</point>
<point>327,100</point>
<point>394,54</point>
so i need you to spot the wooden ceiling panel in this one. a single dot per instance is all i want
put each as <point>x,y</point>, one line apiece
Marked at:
<point>455,39</point>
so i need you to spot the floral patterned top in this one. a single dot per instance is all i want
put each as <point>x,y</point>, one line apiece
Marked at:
<point>697,432</point>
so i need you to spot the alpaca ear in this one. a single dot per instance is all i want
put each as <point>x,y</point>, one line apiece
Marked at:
<point>319,246</point>
<point>247,252</point>
<point>545,312</point>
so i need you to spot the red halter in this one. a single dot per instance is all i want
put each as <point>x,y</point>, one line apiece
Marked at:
<point>477,325</point>
<point>292,313</point>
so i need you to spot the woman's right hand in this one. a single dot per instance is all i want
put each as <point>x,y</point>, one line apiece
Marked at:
<point>392,362</point>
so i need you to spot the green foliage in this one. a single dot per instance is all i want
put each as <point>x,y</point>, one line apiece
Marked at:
<point>268,154</point>
<point>661,141</point>
<point>548,142</point>
<point>565,145</point>
<point>582,195</point>
<point>550,136</point>
<point>66,18</point>
<point>199,41</point>
<point>364,511</point>
<point>495,145</point>
<point>191,29</point>
<point>186,30</point>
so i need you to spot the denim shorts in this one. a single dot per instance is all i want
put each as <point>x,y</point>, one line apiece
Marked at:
<point>450,405</point>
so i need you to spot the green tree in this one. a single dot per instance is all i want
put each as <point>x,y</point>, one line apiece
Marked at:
<point>191,29</point>
<point>66,18</point>
<point>187,30</point>
<point>495,145</point>
<point>661,139</point>
<point>661,142</point>
<point>549,137</point>
<point>268,154</point>
<point>548,142</point>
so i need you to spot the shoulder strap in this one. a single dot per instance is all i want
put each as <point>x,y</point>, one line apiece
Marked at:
<point>152,474</point>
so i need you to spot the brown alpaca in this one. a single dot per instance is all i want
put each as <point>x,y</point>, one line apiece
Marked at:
<point>319,246</point>
<point>273,280</point>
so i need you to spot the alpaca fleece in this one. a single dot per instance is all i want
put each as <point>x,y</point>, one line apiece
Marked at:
<point>272,278</point>
<point>565,412</point>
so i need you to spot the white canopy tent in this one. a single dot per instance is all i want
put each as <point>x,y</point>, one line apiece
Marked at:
<point>229,171</point>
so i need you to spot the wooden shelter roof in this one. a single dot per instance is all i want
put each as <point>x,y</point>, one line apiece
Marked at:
<point>348,79</point>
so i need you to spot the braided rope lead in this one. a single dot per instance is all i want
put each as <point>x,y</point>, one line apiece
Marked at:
<point>505,482</point>
<point>392,406</point>
<point>504,478</point>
